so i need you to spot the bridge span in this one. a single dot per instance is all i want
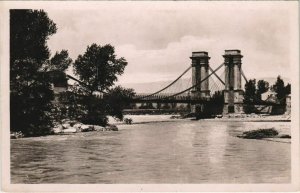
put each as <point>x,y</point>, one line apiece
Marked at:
<point>199,94</point>
<point>165,98</point>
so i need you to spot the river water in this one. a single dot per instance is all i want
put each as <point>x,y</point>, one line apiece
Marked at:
<point>181,151</point>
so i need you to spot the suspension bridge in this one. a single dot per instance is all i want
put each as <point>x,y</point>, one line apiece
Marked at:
<point>199,88</point>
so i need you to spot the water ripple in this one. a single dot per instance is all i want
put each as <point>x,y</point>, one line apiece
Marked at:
<point>168,152</point>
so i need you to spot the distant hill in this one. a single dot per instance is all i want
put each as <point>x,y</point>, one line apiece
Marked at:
<point>150,87</point>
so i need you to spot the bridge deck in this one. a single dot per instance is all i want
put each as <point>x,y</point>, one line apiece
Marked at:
<point>166,99</point>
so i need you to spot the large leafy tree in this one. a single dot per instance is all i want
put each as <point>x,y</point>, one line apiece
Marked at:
<point>98,67</point>
<point>31,94</point>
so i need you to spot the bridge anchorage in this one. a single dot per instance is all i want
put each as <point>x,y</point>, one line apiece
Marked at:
<point>200,94</point>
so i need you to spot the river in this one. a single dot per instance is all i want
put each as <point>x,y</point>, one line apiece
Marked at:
<point>180,151</point>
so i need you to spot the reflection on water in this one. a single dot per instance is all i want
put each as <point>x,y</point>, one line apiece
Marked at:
<point>169,152</point>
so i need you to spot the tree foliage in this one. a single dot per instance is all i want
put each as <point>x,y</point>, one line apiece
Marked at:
<point>93,111</point>
<point>281,90</point>
<point>250,91</point>
<point>31,94</point>
<point>60,61</point>
<point>57,66</point>
<point>98,69</point>
<point>99,66</point>
<point>262,87</point>
<point>216,103</point>
<point>117,99</point>
<point>218,98</point>
<point>253,95</point>
<point>70,104</point>
<point>29,31</point>
<point>288,89</point>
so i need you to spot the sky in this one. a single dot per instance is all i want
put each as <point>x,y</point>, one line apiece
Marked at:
<point>158,38</point>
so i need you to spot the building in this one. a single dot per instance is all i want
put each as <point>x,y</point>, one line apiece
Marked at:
<point>269,96</point>
<point>59,84</point>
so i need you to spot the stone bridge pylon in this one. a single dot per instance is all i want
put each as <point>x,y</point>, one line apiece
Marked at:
<point>200,70</point>
<point>233,93</point>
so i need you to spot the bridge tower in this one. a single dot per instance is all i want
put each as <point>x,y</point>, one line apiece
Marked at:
<point>200,67</point>
<point>233,93</point>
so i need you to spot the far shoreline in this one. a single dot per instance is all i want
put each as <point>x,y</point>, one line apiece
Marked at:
<point>158,118</point>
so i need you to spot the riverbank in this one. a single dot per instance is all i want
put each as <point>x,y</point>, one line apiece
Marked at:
<point>138,119</point>
<point>255,118</point>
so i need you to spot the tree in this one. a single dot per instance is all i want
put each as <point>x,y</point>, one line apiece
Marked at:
<point>31,94</point>
<point>288,89</point>
<point>216,103</point>
<point>262,87</point>
<point>70,104</point>
<point>29,31</point>
<point>218,98</point>
<point>279,88</point>
<point>117,99</point>
<point>60,61</point>
<point>98,67</point>
<point>57,66</point>
<point>250,91</point>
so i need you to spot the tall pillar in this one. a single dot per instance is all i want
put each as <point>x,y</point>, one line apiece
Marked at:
<point>233,93</point>
<point>200,67</point>
<point>204,67</point>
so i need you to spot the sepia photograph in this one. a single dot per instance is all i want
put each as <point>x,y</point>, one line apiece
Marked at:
<point>154,96</point>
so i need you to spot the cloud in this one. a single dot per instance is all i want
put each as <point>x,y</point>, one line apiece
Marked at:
<point>157,41</point>
<point>168,63</point>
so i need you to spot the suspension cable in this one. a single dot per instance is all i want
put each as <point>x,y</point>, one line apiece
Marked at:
<point>213,86</point>
<point>244,75</point>
<point>195,84</point>
<point>217,76</point>
<point>167,85</point>
<point>84,84</point>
